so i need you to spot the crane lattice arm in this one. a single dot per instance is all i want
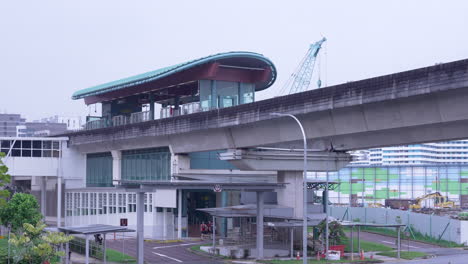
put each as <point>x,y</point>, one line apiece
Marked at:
<point>300,80</point>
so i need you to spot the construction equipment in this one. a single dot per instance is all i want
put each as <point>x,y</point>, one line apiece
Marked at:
<point>440,201</point>
<point>300,79</point>
<point>375,205</point>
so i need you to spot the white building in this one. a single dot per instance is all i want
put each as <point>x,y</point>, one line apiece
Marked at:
<point>72,122</point>
<point>448,152</point>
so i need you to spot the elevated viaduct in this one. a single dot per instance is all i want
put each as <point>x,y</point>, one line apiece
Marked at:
<point>422,105</point>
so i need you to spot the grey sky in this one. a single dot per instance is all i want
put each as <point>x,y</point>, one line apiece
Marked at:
<point>49,49</point>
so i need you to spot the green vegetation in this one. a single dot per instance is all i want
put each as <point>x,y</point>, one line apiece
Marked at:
<point>403,254</point>
<point>336,234</point>
<point>119,257</point>
<point>366,246</point>
<point>417,236</point>
<point>36,246</point>
<point>197,248</point>
<point>3,250</point>
<point>4,179</point>
<point>318,262</point>
<point>21,209</point>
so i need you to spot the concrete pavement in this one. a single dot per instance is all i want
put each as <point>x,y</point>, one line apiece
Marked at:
<point>163,252</point>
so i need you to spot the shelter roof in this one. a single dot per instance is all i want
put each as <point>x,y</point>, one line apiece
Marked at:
<point>250,59</point>
<point>135,185</point>
<point>94,229</point>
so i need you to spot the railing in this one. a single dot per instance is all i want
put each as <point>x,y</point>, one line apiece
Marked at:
<point>139,117</point>
<point>95,124</point>
<point>119,120</point>
<point>184,109</point>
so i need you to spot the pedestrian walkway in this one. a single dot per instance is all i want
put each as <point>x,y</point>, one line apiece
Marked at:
<point>80,259</point>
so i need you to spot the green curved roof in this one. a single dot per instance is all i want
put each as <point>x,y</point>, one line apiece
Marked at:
<point>163,72</point>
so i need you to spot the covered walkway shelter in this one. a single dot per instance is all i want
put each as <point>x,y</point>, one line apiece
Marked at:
<point>140,187</point>
<point>91,230</point>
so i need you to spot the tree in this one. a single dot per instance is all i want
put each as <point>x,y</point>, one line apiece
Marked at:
<point>22,208</point>
<point>4,179</point>
<point>336,234</point>
<point>36,246</point>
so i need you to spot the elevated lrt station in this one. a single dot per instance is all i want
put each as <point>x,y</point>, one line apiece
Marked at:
<point>216,81</point>
<point>133,171</point>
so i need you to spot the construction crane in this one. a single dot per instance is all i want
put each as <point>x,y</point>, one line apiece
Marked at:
<point>300,79</point>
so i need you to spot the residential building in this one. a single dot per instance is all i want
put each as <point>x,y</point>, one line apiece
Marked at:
<point>448,152</point>
<point>8,124</point>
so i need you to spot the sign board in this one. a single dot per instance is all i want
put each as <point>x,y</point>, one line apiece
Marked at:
<point>123,222</point>
<point>217,188</point>
<point>165,198</point>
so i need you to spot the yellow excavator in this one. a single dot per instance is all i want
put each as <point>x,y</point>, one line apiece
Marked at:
<point>440,201</point>
<point>375,205</point>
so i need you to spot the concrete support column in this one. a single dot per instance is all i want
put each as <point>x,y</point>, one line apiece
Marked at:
<point>180,162</point>
<point>260,205</point>
<point>105,247</point>
<point>67,252</point>
<point>87,249</point>
<point>44,196</point>
<point>140,226</point>
<point>293,194</point>
<point>164,213</point>
<point>151,104</point>
<point>116,165</point>
<point>179,214</point>
<point>224,203</point>
<point>59,201</point>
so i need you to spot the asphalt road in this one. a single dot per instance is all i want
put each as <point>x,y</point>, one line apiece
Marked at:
<point>163,252</point>
<point>442,255</point>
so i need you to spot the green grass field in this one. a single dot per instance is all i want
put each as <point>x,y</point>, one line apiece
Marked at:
<point>366,246</point>
<point>116,256</point>
<point>417,237</point>
<point>404,254</point>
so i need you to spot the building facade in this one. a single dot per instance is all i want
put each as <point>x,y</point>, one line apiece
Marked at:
<point>364,185</point>
<point>9,123</point>
<point>217,81</point>
<point>448,152</point>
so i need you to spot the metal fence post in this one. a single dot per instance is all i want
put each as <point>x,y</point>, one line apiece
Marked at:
<point>430,225</point>
<point>365,214</point>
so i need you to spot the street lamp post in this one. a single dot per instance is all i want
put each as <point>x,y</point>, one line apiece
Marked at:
<point>304,227</point>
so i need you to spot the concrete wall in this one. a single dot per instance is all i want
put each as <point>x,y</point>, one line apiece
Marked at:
<point>29,166</point>
<point>432,225</point>
<point>73,168</point>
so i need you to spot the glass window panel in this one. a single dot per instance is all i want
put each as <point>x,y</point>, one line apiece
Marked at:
<point>46,145</point>
<point>227,93</point>
<point>205,94</point>
<point>16,153</point>
<point>36,144</point>
<point>98,169</point>
<point>26,153</point>
<point>5,144</point>
<point>247,93</point>
<point>17,144</point>
<point>147,164</point>
<point>26,144</point>
<point>36,153</point>
<point>55,145</point>
<point>55,153</point>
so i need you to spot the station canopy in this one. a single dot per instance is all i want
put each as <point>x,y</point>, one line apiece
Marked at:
<point>182,79</point>
<point>94,229</point>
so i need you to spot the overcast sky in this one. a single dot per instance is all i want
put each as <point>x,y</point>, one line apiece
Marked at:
<point>49,49</point>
